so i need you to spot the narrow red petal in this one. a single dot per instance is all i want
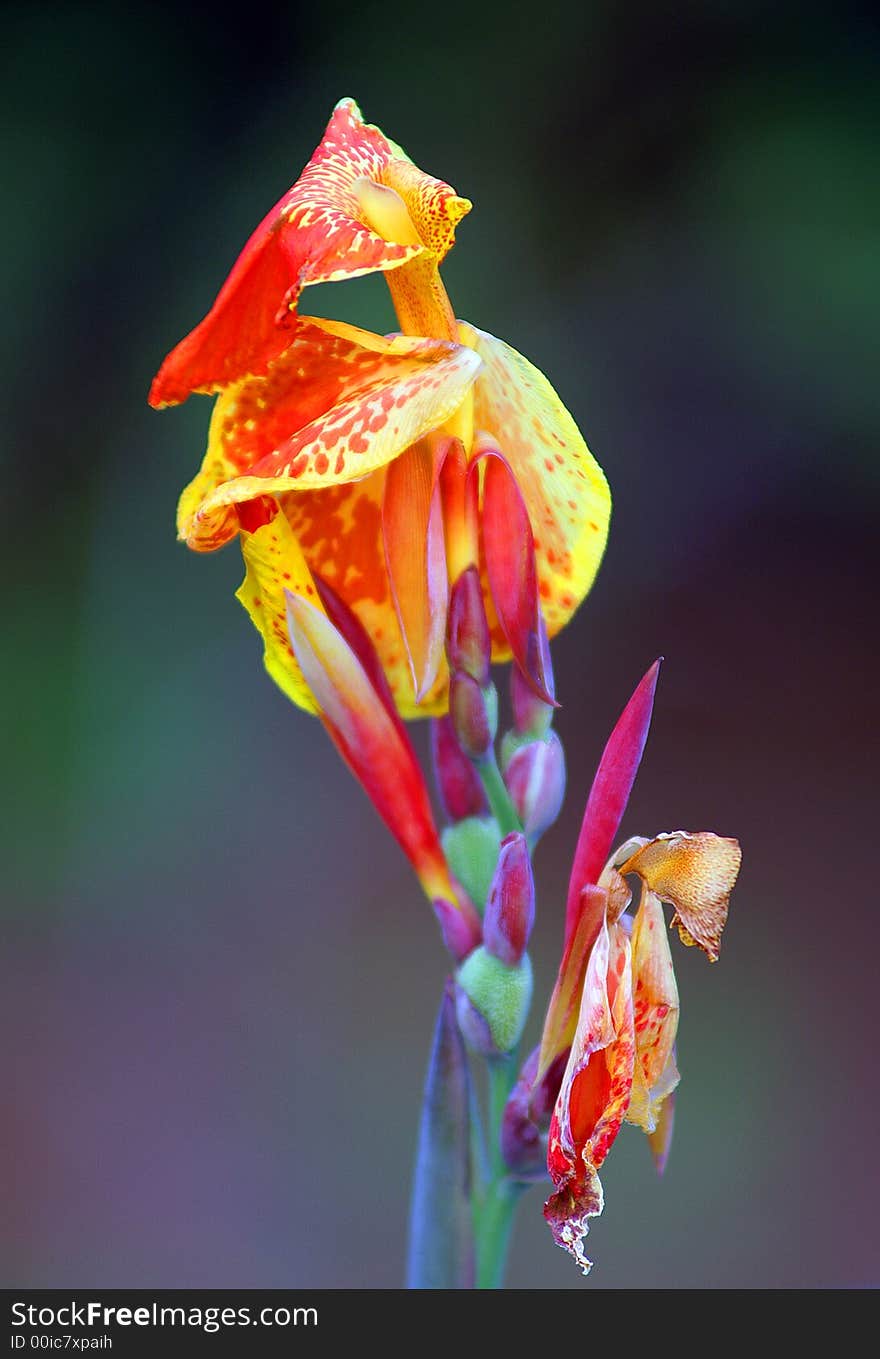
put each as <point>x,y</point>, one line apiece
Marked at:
<point>412,524</point>
<point>346,622</point>
<point>509,547</point>
<point>368,740</point>
<point>610,793</point>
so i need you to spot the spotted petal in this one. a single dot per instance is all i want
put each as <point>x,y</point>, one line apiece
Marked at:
<point>655,1008</point>
<point>564,488</point>
<point>338,404</point>
<point>594,1094</point>
<point>695,874</point>
<point>322,230</point>
<point>337,534</point>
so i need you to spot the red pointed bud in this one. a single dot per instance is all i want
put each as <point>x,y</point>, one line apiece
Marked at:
<point>458,784</point>
<point>609,794</point>
<point>459,925</point>
<point>473,712</point>
<point>535,778</point>
<point>509,549</point>
<point>510,908</point>
<point>468,645</point>
<point>459,493</point>
<point>522,1146</point>
<point>531,715</point>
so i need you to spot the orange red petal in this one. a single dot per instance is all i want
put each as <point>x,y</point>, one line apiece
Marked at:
<point>320,231</point>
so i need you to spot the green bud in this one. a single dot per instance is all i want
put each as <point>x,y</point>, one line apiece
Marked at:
<point>498,994</point>
<point>511,742</point>
<point>471,849</point>
<point>490,699</point>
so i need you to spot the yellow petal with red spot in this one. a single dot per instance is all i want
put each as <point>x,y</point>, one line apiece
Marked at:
<point>695,873</point>
<point>595,1092</point>
<point>321,231</point>
<point>274,563</point>
<point>655,1010</point>
<point>330,411</point>
<point>563,486</point>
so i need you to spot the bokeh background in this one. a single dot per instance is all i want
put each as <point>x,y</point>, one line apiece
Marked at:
<point>220,978</point>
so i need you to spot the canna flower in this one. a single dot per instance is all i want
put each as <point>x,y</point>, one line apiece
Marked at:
<point>365,462</point>
<point>613,1016</point>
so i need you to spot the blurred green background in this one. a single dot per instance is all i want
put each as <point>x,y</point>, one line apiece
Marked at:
<point>220,978</point>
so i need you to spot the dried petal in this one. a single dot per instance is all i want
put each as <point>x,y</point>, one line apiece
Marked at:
<point>594,1094</point>
<point>695,873</point>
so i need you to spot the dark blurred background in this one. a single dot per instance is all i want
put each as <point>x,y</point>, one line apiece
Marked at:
<point>220,976</point>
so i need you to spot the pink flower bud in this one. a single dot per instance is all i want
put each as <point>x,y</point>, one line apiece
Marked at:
<point>468,645</point>
<point>535,779</point>
<point>522,1146</point>
<point>470,714</point>
<point>510,909</point>
<point>459,925</point>
<point>458,785</point>
<point>531,715</point>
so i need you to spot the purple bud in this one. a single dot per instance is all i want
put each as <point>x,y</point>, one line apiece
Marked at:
<point>474,1026</point>
<point>522,1145</point>
<point>457,781</point>
<point>468,644</point>
<point>460,926</point>
<point>510,908</point>
<point>543,1096</point>
<point>531,715</point>
<point>470,713</point>
<point>535,778</point>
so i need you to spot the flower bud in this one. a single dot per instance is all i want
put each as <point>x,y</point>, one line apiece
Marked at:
<point>474,714</point>
<point>458,784</point>
<point>522,1146</point>
<point>492,1001</point>
<point>535,778</point>
<point>468,645</point>
<point>471,849</point>
<point>459,925</point>
<point>510,907</point>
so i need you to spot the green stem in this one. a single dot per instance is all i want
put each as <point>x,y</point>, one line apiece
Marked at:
<point>497,795</point>
<point>493,1235</point>
<point>495,1209</point>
